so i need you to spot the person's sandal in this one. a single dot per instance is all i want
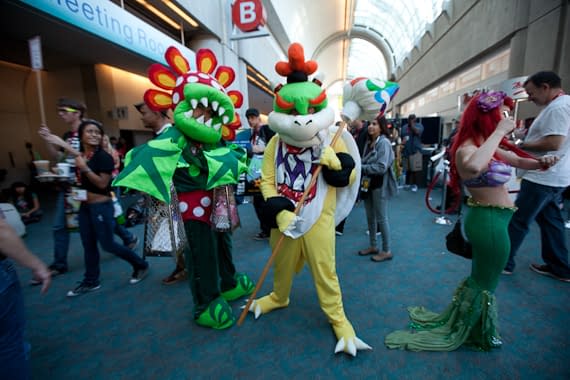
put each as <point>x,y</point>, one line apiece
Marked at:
<point>176,276</point>
<point>382,256</point>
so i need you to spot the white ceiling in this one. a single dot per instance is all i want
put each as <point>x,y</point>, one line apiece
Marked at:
<point>350,38</point>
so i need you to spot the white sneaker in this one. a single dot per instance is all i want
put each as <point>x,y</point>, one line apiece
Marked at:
<point>378,233</point>
<point>414,188</point>
<point>139,275</point>
<point>83,288</point>
<point>567,224</point>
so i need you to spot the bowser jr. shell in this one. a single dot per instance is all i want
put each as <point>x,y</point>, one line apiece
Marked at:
<point>197,90</point>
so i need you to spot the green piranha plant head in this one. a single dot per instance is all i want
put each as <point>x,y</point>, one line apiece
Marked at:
<point>300,110</point>
<point>203,108</point>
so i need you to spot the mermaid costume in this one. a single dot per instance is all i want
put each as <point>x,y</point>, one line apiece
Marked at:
<point>471,317</point>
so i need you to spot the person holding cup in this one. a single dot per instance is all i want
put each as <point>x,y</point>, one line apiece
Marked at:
<point>71,112</point>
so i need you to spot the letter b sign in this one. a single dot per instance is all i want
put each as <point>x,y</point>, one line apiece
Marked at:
<point>247,15</point>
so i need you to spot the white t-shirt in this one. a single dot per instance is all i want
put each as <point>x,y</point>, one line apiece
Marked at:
<point>554,119</point>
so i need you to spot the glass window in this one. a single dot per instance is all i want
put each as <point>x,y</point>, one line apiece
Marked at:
<point>401,23</point>
<point>365,60</point>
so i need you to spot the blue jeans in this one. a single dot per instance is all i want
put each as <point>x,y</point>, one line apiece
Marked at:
<point>96,224</point>
<point>125,235</point>
<point>540,203</point>
<point>14,363</point>
<point>60,235</point>
<point>376,207</point>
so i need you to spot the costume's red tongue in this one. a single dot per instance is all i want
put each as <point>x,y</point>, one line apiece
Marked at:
<point>293,149</point>
<point>295,195</point>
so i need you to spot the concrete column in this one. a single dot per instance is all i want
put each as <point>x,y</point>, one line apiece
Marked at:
<point>517,58</point>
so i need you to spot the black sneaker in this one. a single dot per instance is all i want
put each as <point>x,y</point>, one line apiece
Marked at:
<point>54,271</point>
<point>83,288</point>
<point>139,275</point>
<point>261,236</point>
<point>546,271</point>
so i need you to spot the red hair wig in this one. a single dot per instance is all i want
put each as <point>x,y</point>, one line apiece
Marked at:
<point>477,126</point>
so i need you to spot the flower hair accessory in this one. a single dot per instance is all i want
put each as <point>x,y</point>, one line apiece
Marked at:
<point>490,100</point>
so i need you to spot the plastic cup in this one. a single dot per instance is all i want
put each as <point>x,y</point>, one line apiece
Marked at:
<point>63,169</point>
<point>42,167</point>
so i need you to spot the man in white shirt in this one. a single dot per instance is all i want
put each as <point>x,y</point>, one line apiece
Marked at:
<point>541,190</point>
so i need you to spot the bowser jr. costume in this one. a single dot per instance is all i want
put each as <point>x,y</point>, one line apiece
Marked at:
<point>304,126</point>
<point>189,155</point>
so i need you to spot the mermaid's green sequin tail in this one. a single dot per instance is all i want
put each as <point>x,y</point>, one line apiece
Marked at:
<point>470,319</point>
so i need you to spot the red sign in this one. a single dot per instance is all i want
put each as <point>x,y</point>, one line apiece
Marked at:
<point>248,15</point>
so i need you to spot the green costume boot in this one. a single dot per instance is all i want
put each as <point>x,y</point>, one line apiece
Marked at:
<point>243,287</point>
<point>218,315</point>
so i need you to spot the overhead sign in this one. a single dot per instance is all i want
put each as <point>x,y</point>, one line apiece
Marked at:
<point>35,46</point>
<point>514,88</point>
<point>249,17</point>
<point>109,21</point>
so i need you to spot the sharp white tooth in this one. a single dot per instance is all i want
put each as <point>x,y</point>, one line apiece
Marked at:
<point>188,114</point>
<point>221,111</point>
<point>217,126</point>
<point>215,105</point>
<point>204,101</point>
<point>225,119</point>
<point>193,103</point>
<point>200,119</point>
<point>208,123</point>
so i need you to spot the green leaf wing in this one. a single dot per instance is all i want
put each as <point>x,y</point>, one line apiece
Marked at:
<point>150,167</point>
<point>225,165</point>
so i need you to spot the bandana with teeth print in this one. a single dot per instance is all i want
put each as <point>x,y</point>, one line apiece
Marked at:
<point>204,113</point>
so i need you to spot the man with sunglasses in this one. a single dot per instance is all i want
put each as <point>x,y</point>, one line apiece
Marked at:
<point>71,112</point>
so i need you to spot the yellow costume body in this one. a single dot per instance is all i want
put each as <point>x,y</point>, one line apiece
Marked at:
<point>316,247</point>
<point>303,122</point>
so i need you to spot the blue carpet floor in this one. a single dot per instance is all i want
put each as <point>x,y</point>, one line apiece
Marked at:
<point>145,331</point>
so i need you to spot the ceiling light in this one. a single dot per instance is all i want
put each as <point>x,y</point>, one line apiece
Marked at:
<point>161,15</point>
<point>180,13</point>
<point>258,74</point>
<point>259,84</point>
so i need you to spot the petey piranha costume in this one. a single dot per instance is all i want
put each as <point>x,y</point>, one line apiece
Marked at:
<point>190,156</point>
<point>304,125</point>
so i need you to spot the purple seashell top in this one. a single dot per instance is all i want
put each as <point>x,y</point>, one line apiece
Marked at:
<point>497,174</point>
